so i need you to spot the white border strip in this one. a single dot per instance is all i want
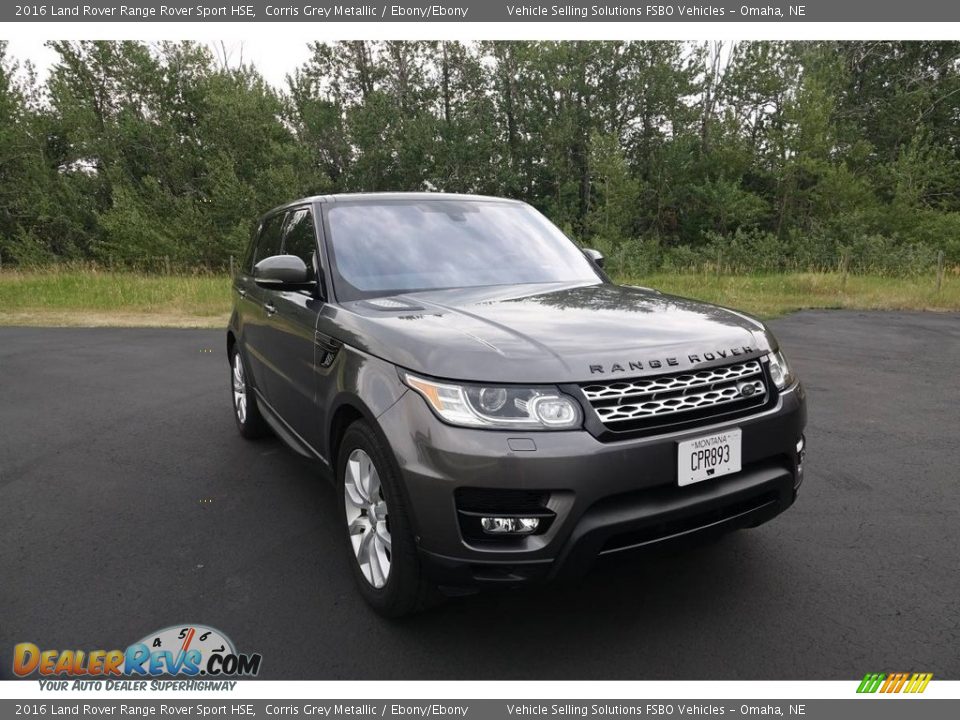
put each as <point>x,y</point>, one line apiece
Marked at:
<point>306,30</point>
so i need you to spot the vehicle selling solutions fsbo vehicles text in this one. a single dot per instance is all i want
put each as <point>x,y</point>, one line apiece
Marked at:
<point>651,10</point>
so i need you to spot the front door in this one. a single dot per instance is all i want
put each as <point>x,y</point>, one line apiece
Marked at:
<point>256,303</point>
<point>292,327</point>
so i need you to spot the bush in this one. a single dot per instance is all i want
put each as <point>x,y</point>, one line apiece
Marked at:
<point>757,251</point>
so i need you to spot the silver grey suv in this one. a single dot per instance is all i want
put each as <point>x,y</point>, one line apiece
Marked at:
<point>494,410</point>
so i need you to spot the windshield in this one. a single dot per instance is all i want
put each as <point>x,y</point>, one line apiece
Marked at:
<point>390,247</point>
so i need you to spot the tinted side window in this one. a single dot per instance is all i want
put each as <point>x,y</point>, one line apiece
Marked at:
<point>300,239</point>
<point>270,235</point>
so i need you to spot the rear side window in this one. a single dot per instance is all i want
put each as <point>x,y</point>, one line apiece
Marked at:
<point>270,236</point>
<point>300,239</point>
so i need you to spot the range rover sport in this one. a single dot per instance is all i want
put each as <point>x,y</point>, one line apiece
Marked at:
<point>492,408</point>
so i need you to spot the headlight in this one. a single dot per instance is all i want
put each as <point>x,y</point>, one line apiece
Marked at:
<point>779,370</point>
<point>493,406</point>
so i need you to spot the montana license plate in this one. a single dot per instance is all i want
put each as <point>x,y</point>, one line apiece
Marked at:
<point>708,457</point>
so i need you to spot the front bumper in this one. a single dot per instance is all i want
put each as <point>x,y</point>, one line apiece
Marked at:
<point>607,497</point>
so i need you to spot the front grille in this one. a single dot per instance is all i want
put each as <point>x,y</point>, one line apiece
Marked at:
<point>666,401</point>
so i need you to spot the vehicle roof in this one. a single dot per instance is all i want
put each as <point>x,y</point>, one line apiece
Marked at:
<point>361,197</point>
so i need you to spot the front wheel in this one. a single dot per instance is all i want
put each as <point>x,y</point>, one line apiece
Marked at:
<point>383,553</point>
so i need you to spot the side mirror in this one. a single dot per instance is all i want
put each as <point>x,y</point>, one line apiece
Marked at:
<point>594,255</point>
<point>280,270</point>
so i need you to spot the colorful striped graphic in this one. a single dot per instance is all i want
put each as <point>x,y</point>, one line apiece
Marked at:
<point>894,682</point>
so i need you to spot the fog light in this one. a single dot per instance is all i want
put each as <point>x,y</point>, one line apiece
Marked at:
<point>509,525</point>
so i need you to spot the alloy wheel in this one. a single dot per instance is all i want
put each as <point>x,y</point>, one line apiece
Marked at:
<point>239,389</point>
<point>367,518</point>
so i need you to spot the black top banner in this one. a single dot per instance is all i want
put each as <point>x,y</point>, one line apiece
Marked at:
<point>478,11</point>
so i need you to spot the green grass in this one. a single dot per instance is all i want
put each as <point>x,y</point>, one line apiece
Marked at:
<point>85,296</point>
<point>773,295</point>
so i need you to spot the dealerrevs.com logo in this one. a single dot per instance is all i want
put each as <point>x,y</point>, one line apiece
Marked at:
<point>185,651</point>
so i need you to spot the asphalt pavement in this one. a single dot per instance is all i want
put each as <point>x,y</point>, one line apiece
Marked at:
<point>128,503</point>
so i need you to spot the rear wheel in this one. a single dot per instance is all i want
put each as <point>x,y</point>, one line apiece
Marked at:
<point>245,411</point>
<point>384,557</point>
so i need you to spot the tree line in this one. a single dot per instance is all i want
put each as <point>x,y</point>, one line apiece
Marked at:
<point>765,155</point>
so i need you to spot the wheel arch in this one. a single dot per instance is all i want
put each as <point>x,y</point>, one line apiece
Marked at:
<point>347,410</point>
<point>344,415</point>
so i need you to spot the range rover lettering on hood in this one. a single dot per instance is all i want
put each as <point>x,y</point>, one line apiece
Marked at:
<point>693,358</point>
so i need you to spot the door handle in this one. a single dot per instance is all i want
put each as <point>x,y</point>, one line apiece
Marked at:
<point>241,292</point>
<point>270,308</point>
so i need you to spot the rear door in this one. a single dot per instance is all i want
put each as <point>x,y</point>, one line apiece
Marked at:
<point>292,334</point>
<point>248,310</point>
<point>256,300</point>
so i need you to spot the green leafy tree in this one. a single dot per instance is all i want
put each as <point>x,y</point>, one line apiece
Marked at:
<point>771,154</point>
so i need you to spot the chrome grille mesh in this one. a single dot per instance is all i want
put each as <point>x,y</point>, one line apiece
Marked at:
<point>671,397</point>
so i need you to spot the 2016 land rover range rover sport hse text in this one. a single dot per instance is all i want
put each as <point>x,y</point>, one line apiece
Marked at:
<point>493,410</point>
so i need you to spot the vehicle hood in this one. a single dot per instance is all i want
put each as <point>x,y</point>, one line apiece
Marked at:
<point>548,333</point>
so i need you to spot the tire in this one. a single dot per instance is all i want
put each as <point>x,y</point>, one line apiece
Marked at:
<point>246,414</point>
<point>382,552</point>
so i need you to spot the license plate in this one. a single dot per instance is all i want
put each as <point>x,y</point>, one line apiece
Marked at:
<point>708,457</point>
